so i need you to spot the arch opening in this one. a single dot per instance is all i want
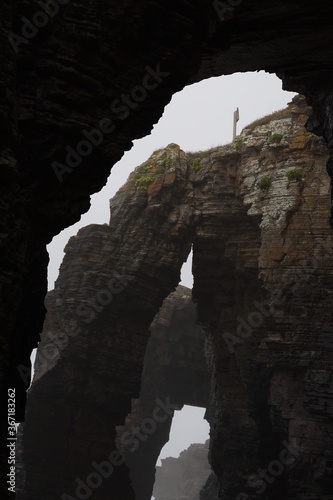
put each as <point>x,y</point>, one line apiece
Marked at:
<point>183,461</point>
<point>197,118</point>
<point>188,426</point>
<point>181,400</point>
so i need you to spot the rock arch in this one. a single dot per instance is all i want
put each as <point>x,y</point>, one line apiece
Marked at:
<point>269,358</point>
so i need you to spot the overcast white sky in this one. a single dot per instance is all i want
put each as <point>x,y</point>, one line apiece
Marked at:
<point>188,426</point>
<point>198,118</point>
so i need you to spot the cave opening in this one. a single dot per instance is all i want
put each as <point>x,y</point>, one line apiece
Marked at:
<point>64,78</point>
<point>187,451</point>
<point>98,214</point>
<point>188,426</point>
<point>198,118</point>
<point>186,274</point>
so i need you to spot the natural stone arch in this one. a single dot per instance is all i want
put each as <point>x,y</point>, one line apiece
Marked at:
<point>64,77</point>
<point>103,311</point>
<point>259,258</point>
<point>88,328</point>
<point>72,70</point>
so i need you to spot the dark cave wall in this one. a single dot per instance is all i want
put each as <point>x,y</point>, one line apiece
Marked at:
<point>60,83</point>
<point>69,74</point>
<point>63,81</point>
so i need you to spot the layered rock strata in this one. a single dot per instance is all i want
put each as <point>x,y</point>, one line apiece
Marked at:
<point>95,338</point>
<point>65,67</point>
<point>71,68</point>
<point>256,214</point>
<point>270,335</point>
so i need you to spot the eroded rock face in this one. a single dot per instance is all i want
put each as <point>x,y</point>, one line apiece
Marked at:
<point>99,317</point>
<point>65,69</point>
<point>260,331</point>
<point>183,477</point>
<point>256,213</point>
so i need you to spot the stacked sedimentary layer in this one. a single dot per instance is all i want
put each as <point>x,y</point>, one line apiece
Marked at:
<point>256,213</point>
<point>267,304</point>
<point>80,81</point>
<point>99,314</point>
<point>68,69</point>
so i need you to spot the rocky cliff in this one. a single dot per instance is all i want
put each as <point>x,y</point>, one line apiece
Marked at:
<point>182,478</point>
<point>174,371</point>
<point>256,214</point>
<point>81,80</point>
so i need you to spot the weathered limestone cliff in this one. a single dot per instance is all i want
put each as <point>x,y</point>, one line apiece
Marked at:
<point>183,477</point>
<point>256,214</point>
<point>81,80</point>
